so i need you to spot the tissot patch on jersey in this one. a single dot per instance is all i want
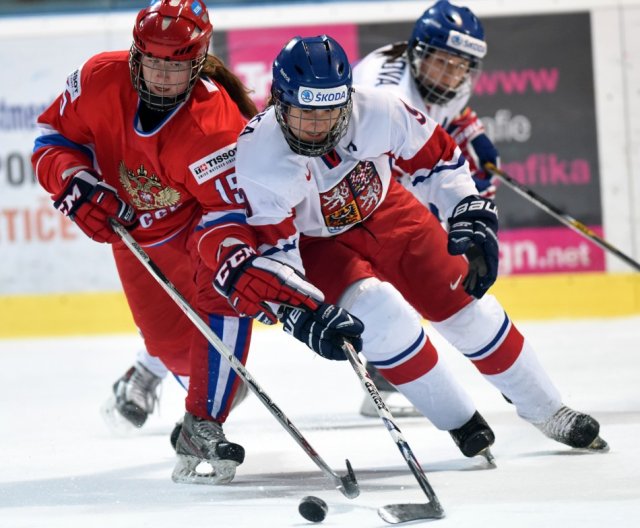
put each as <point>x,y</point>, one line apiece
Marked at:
<point>353,199</point>
<point>73,85</point>
<point>214,164</point>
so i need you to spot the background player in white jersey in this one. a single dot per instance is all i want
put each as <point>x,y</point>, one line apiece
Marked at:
<point>435,71</point>
<point>316,169</point>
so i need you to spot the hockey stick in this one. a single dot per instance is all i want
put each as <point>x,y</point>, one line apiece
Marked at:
<point>396,513</point>
<point>347,485</point>
<point>559,215</point>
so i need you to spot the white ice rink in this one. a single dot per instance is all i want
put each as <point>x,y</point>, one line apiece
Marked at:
<point>61,468</point>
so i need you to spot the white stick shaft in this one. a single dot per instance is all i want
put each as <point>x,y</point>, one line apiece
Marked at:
<point>389,422</point>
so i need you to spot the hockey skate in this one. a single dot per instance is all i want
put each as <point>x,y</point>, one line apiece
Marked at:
<point>395,401</point>
<point>134,398</point>
<point>204,454</point>
<point>475,438</point>
<point>574,429</point>
<point>240,396</point>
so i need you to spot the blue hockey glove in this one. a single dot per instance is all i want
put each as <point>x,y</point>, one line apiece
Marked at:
<point>324,329</point>
<point>473,228</point>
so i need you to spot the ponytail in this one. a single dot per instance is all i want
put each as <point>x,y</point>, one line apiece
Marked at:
<point>395,51</point>
<point>216,69</point>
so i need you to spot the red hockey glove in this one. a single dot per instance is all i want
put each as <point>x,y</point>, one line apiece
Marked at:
<point>90,203</point>
<point>250,282</point>
<point>469,133</point>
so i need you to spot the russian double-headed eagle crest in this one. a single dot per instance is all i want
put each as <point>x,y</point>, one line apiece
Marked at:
<point>146,190</point>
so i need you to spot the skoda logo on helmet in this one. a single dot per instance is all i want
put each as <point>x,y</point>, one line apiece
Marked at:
<point>306,96</point>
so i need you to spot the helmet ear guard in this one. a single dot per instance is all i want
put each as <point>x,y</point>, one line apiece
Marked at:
<point>172,31</point>
<point>312,73</point>
<point>453,34</point>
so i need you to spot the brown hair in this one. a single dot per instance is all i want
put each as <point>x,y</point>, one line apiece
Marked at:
<point>396,50</point>
<point>216,69</point>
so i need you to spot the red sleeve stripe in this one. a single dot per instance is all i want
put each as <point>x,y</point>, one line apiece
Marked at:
<point>439,147</point>
<point>272,234</point>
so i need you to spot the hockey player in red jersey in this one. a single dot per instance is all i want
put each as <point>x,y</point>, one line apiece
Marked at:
<point>435,71</point>
<point>316,168</point>
<point>148,137</point>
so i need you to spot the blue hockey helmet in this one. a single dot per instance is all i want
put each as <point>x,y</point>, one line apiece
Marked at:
<point>456,37</point>
<point>312,75</point>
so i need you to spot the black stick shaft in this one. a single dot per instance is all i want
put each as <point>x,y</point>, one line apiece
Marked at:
<point>561,216</point>
<point>347,485</point>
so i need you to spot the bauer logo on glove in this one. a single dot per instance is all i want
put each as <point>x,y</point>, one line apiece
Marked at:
<point>473,228</point>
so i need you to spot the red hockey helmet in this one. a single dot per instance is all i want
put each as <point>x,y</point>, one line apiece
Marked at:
<point>170,30</point>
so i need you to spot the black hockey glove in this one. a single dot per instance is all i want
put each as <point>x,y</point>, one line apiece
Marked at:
<point>473,229</point>
<point>324,329</point>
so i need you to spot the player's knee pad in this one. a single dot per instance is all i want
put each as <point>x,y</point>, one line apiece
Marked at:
<point>391,325</point>
<point>476,326</point>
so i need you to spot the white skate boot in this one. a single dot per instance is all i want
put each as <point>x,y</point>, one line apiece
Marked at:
<point>134,398</point>
<point>204,454</point>
<point>240,396</point>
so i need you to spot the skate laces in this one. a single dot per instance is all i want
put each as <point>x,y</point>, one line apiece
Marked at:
<point>561,423</point>
<point>208,430</point>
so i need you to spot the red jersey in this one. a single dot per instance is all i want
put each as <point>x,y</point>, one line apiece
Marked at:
<point>176,176</point>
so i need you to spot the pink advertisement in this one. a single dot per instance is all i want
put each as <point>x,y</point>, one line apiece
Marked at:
<point>251,51</point>
<point>548,250</point>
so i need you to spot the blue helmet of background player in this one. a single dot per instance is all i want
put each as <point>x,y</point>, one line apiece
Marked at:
<point>311,93</point>
<point>445,51</point>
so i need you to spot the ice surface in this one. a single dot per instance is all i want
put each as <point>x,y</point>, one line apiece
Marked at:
<point>60,466</point>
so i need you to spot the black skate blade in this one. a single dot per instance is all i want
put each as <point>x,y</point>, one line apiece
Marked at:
<point>401,513</point>
<point>349,485</point>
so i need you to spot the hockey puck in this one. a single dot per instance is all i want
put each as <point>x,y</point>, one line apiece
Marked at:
<point>313,509</point>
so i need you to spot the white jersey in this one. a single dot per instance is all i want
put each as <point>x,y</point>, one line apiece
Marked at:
<point>324,196</point>
<point>379,71</point>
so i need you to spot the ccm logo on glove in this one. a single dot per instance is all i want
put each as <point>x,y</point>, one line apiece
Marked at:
<point>91,203</point>
<point>250,282</point>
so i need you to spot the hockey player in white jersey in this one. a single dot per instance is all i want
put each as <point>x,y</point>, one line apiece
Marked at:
<point>434,71</point>
<point>316,171</point>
